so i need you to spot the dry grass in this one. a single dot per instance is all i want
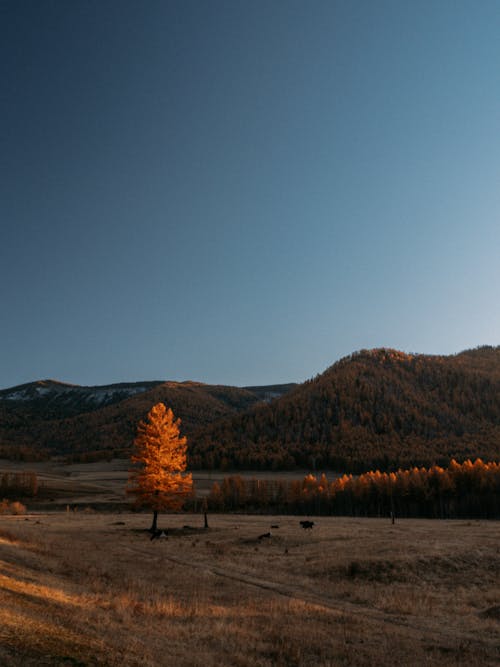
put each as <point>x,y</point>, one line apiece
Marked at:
<point>92,589</point>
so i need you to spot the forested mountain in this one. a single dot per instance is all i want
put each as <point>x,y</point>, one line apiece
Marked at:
<point>374,409</point>
<point>49,417</point>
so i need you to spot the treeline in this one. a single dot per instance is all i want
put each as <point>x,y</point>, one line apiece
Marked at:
<point>18,485</point>
<point>96,456</point>
<point>462,490</point>
<point>376,409</point>
<point>23,453</point>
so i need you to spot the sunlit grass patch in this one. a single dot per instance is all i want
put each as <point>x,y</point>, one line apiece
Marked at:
<point>32,635</point>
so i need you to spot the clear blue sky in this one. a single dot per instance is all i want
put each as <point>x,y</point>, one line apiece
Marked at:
<point>243,192</point>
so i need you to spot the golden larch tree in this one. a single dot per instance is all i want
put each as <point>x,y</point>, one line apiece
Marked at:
<point>158,480</point>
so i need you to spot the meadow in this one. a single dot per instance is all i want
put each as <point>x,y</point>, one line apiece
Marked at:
<point>91,588</point>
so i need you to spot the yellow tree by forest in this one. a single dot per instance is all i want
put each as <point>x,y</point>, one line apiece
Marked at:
<point>157,480</point>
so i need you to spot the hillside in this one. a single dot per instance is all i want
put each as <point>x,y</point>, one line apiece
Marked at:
<point>375,408</point>
<point>49,417</point>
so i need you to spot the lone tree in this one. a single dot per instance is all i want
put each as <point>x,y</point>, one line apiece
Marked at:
<point>158,481</point>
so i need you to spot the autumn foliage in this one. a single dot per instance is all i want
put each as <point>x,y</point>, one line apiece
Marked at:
<point>158,480</point>
<point>460,490</point>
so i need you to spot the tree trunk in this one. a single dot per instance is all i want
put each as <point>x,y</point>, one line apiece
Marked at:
<point>154,526</point>
<point>204,508</point>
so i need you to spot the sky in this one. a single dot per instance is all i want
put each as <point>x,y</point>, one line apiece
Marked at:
<point>243,192</point>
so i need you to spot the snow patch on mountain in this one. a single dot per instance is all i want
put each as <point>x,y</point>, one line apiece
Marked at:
<point>98,395</point>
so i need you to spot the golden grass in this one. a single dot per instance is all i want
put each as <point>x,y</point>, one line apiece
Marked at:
<point>92,589</point>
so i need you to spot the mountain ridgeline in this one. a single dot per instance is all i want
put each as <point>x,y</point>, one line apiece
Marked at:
<point>46,418</point>
<point>373,409</point>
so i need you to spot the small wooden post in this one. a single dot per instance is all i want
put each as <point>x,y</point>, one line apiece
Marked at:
<point>204,507</point>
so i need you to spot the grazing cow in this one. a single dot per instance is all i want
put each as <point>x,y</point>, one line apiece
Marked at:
<point>307,524</point>
<point>276,526</point>
<point>157,534</point>
<point>264,536</point>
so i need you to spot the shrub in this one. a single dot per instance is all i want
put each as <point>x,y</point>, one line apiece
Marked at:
<point>14,507</point>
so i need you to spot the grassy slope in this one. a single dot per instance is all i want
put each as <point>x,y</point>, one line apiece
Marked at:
<point>86,589</point>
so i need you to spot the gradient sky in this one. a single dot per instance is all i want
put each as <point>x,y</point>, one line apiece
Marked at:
<point>244,192</point>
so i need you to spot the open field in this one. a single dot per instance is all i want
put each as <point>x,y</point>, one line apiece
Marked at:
<point>84,588</point>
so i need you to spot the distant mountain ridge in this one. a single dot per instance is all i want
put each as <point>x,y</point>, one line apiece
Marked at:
<point>378,408</point>
<point>71,397</point>
<point>51,417</point>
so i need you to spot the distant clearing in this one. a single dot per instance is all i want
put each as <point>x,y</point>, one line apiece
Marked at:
<point>104,482</point>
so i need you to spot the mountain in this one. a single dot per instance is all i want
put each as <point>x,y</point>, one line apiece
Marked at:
<point>53,399</point>
<point>373,409</point>
<point>50,417</point>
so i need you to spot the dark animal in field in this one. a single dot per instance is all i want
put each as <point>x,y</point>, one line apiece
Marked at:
<point>274,527</point>
<point>307,524</point>
<point>264,536</point>
<point>491,612</point>
<point>157,534</point>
